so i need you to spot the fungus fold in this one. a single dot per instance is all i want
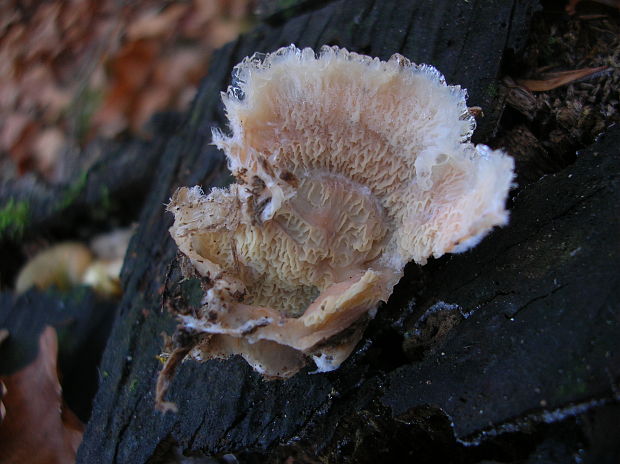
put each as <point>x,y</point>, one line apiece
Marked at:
<point>347,168</point>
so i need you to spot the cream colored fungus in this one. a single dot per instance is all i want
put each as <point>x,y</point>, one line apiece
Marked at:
<point>347,168</point>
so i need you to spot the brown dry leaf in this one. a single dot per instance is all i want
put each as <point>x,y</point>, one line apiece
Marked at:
<point>204,11</point>
<point>154,23</point>
<point>12,128</point>
<point>20,150</point>
<point>558,79</point>
<point>169,76</point>
<point>46,148</point>
<point>45,37</point>
<point>131,69</point>
<point>38,428</point>
<point>92,68</point>
<point>45,49</point>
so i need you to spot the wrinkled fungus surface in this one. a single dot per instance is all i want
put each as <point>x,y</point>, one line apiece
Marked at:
<point>347,168</point>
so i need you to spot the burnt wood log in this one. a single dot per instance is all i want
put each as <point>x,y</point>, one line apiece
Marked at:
<point>82,321</point>
<point>499,353</point>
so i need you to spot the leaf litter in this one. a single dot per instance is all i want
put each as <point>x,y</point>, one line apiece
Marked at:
<point>71,72</point>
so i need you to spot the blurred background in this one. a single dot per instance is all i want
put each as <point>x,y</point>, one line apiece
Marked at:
<point>72,71</point>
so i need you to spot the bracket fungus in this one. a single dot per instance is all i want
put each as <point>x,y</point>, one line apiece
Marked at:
<point>347,168</point>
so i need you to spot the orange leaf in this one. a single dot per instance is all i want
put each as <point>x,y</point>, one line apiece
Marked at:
<point>558,79</point>
<point>154,24</point>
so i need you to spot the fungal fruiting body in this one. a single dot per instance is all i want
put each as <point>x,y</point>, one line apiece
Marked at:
<point>347,168</point>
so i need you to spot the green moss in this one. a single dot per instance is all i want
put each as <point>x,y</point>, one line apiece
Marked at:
<point>74,191</point>
<point>492,90</point>
<point>578,387</point>
<point>82,110</point>
<point>285,4</point>
<point>133,385</point>
<point>105,203</point>
<point>192,291</point>
<point>574,383</point>
<point>79,294</point>
<point>14,217</point>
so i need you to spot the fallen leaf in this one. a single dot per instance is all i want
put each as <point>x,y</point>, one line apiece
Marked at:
<point>558,79</point>
<point>130,71</point>
<point>89,68</point>
<point>8,16</point>
<point>46,148</point>
<point>20,151</point>
<point>154,23</point>
<point>38,428</point>
<point>11,130</point>
<point>44,37</point>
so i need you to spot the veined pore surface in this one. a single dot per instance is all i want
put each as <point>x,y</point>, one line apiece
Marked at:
<point>347,168</point>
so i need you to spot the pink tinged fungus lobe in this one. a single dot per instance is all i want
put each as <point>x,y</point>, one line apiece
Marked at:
<point>347,168</point>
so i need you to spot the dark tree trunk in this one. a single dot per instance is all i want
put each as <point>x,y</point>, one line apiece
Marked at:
<point>502,353</point>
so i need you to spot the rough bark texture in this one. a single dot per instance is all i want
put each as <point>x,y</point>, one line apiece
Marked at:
<point>502,353</point>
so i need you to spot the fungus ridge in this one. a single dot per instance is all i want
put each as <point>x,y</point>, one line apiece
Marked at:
<point>347,168</point>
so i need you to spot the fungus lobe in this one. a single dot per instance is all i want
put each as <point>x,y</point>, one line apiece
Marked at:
<point>347,168</point>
